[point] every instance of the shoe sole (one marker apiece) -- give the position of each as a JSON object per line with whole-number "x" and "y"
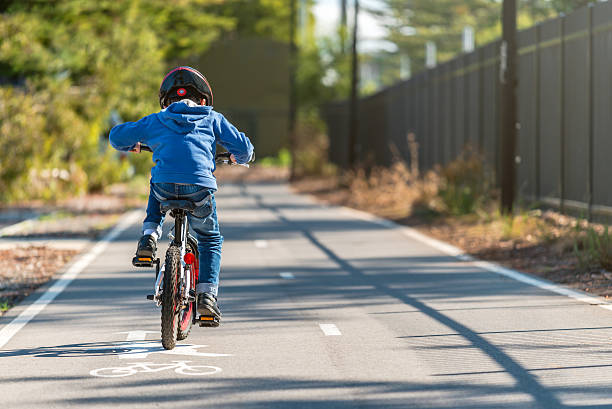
{"x": 208, "y": 312}
{"x": 145, "y": 253}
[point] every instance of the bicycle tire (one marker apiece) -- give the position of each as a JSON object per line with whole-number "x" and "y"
{"x": 186, "y": 316}
{"x": 169, "y": 315}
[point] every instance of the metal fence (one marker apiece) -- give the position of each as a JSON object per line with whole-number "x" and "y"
{"x": 565, "y": 112}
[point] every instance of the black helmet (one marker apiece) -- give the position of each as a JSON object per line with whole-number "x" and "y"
{"x": 184, "y": 82}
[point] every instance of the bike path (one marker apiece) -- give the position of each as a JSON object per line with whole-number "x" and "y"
{"x": 321, "y": 310}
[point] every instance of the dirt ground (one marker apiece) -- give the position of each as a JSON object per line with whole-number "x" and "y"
{"x": 25, "y": 265}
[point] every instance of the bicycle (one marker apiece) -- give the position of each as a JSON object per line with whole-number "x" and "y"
{"x": 180, "y": 367}
{"x": 179, "y": 272}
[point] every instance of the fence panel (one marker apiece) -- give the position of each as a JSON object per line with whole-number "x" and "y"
{"x": 565, "y": 105}
{"x": 459, "y": 106}
{"x": 601, "y": 103}
{"x": 473, "y": 100}
{"x": 550, "y": 109}
{"x": 491, "y": 102}
{"x": 576, "y": 100}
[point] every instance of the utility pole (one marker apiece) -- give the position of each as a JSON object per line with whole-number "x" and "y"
{"x": 292, "y": 86}
{"x": 508, "y": 112}
{"x": 353, "y": 119}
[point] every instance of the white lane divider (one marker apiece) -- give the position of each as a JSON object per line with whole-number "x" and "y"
{"x": 287, "y": 276}
{"x": 330, "y": 330}
{"x": 261, "y": 244}
{"x": 10, "y": 329}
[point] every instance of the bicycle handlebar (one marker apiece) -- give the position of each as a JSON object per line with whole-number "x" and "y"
{"x": 221, "y": 158}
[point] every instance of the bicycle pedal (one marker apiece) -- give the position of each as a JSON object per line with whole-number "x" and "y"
{"x": 208, "y": 321}
{"x": 143, "y": 262}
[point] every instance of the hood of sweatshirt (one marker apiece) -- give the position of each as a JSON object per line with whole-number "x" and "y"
{"x": 183, "y": 116}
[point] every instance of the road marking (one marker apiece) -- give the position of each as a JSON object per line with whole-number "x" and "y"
{"x": 287, "y": 276}
{"x": 180, "y": 367}
{"x": 261, "y": 244}
{"x": 137, "y": 335}
{"x": 142, "y": 349}
{"x": 56, "y": 289}
{"x": 330, "y": 329}
{"x": 485, "y": 265}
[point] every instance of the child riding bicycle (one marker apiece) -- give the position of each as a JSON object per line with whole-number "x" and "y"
{"x": 183, "y": 137}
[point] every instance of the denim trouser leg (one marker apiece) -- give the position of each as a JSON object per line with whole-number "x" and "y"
{"x": 206, "y": 227}
{"x": 155, "y": 218}
{"x": 203, "y": 221}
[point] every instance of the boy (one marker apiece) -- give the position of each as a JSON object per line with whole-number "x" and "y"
{"x": 183, "y": 137}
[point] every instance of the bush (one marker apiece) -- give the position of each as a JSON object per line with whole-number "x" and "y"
{"x": 312, "y": 146}
{"x": 465, "y": 184}
{"x": 593, "y": 247}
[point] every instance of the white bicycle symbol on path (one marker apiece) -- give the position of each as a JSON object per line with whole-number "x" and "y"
{"x": 180, "y": 367}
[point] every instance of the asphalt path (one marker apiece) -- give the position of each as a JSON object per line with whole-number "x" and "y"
{"x": 322, "y": 308}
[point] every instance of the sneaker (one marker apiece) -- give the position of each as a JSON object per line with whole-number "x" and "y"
{"x": 147, "y": 246}
{"x": 207, "y": 305}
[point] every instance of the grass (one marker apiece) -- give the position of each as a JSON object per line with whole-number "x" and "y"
{"x": 5, "y": 306}
{"x": 58, "y": 215}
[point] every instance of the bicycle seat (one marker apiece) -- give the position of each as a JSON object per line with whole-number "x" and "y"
{"x": 187, "y": 205}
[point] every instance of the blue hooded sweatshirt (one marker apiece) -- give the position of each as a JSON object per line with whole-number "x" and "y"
{"x": 183, "y": 138}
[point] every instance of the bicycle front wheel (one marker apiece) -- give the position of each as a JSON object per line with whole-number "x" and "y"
{"x": 169, "y": 298}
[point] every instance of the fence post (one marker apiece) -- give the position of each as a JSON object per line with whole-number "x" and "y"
{"x": 467, "y": 109}
{"x": 590, "y": 105}
{"x": 508, "y": 117}
{"x": 481, "y": 71}
{"x": 452, "y": 111}
{"x": 562, "y": 116}
{"x": 538, "y": 187}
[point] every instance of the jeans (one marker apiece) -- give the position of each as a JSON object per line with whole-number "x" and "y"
{"x": 203, "y": 221}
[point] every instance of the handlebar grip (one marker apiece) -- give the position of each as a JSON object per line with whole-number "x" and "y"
{"x": 145, "y": 148}
{"x": 223, "y": 155}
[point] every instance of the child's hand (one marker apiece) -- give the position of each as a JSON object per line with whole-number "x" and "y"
{"x": 136, "y": 148}
{"x": 232, "y": 158}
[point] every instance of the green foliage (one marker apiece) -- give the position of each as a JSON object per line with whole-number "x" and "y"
{"x": 311, "y": 157}
{"x": 75, "y": 61}
{"x": 593, "y": 247}
{"x": 283, "y": 159}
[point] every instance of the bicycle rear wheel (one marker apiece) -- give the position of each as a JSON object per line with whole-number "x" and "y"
{"x": 170, "y": 303}
{"x": 186, "y": 316}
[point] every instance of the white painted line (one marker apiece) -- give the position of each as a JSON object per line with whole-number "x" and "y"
{"x": 142, "y": 349}
{"x": 17, "y": 227}
{"x": 137, "y": 335}
{"x": 10, "y": 329}
{"x": 287, "y": 276}
{"x": 330, "y": 330}
{"x": 261, "y": 244}
{"x": 485, "y": 265}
